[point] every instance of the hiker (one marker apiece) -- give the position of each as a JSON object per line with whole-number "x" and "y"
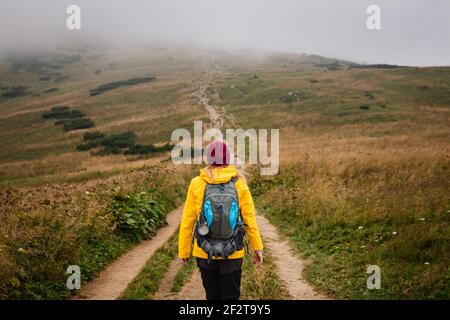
{"x": 217, "y": 214}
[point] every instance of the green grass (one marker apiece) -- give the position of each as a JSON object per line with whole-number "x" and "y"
{"x": 183, "y": 275}
{"x": 405, "y": 233}
{"x": 38, "y": 243}
{"x": 261, "y": 282}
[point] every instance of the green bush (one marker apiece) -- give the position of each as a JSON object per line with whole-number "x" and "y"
{"x": 62, "y": 112}
{"x": 77, "y": 124}
{"x": 89, "y": 136}
{"x": 136, "y": 216}
{"x": 148, "y": 149}
{"x": 117, "y": 84}
{"x": 15, "y": 92}
{"x": 61, "y": 122}
{"x": 87, "y": 146}
{"x": 119, "y": 140}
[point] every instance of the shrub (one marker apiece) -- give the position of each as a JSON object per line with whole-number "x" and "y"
{"x": 364, "y": 107}
{"x": 60, "y": 122}
{"x": 78, "y": 124}
{"x": 117, "y": 84}
{"x": 89, "y": 136}
{"x": 15, "y": 92}
{"x": 87, "y": 146}
{"x": 119, "y": 140}
{"x": 148, "y": 149}
{"x": 136, "y": 216}
{"x": 62, "y": 112}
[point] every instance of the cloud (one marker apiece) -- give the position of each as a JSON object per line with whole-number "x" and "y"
{"x": 414, "y": 32}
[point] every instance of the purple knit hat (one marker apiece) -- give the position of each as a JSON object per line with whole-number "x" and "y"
{"x": 217, "y": 153}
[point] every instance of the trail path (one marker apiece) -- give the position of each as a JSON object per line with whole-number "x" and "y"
{"x": 116, "y": 276}
{"x": 289, "y": 267}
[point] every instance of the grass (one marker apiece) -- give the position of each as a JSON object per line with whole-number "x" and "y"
{"x": 382, "y": 168}
{"x": 364, "y": 216}
{"x": 44, "y": 231}
{"x": 183, "y": 275}
{"x": 261, "y": 282}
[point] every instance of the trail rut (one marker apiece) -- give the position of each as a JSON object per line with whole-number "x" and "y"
{"x": 115, "y": 278}
{"x": 289, "y": 267}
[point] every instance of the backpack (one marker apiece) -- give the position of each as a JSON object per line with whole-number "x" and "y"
{"x": 220, "y": 230}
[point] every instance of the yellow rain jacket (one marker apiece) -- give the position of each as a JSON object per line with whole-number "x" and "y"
{"x": 192, "y": 209}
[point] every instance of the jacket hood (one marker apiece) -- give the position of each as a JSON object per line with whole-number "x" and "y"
{"x": 219, "y": 174}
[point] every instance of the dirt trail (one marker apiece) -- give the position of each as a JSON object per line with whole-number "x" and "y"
{"x": 289, "y": 267}
{"x": 115, "y": 277}
{"x": 216, "y": 121}
{"x": 192, "y": 289}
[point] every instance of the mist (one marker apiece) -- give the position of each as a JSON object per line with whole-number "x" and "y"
{"x": 414, "y": 32}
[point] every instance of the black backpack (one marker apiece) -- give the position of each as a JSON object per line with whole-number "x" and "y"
{"x": 220, "y": 230}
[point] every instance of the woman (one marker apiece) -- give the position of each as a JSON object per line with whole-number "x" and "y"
{"x": 209, "y": 221}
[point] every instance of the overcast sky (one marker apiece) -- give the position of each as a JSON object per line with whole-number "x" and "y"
{"x": 414, "y": 32}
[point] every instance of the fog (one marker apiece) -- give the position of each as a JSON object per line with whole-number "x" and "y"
{"x": 413, "y": 32}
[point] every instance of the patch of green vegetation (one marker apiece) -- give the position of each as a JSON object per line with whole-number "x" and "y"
{"x": 405, "y": 232}
{"x": 147, "y": 283}
{"x": 261, "y": 282}
{"x": 41, "y": 260}
{"x": 376, "y": 66}
{"x": 41, "y": 64}
{"x": 43, "y": 243}
{"x": 14, "y": 92}
{"x": 78, "y": 124}
{"x": 119, "y": 140}
{"x": 332, "y": 66}
{"x": 183, "y": 275}
{"x": 69, "y": 119}
{"x": 117, "y": 84}
{"x": 136, "y": 216}
{"x": 95, "y": 135}
{"x": 87, "y": 146}
{"x": 119, "y": 143}
{"x": 62, "y": 112}
{"x": 148, "y": 149}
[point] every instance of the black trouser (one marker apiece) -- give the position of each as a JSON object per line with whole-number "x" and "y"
{"x": 221, "y": 278}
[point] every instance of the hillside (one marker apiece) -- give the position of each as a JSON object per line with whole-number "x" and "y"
{"x": 364, "y": 158}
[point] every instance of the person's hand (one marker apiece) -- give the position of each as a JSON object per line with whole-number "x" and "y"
{"x": 184, "y": 260}
{"x": 257, "y": 257}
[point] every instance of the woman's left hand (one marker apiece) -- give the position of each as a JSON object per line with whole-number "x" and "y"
{"x": 257, "y": 257}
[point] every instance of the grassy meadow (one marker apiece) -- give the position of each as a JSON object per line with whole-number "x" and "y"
{"x": 364, "y": 169}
